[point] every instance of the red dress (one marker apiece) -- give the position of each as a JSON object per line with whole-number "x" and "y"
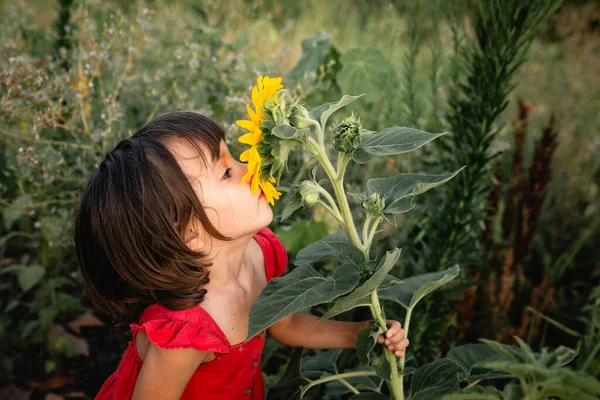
{"x": 235, "y": 373}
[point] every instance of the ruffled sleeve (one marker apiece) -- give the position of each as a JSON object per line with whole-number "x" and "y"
{"x": 180, "y": 329}
{"x": 274, "y": 252}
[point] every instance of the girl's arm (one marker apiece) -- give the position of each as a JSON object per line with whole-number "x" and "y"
{"x": 166, "y": 372}
{"x": 305, "y": 330}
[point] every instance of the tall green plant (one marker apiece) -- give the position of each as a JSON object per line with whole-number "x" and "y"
{"x": 360, "y": 278}
{"x": 486, "y": 63}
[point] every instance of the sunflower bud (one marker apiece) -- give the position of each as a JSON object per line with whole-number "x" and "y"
{"x": 310, "y": 192}
{"x": 281, "y": 111}
{"x": 373, "y": 205}
{"x": 347, "y": 136}
{"x": 299, "y": 117}
{"x": 271, "y": 103}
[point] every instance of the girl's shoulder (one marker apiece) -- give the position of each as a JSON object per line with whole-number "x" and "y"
{"x": 194, "y": 326}
{"x": 273, "y": 252}
{"x": 191, "y": 327}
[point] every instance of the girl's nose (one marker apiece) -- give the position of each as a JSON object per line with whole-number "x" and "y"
{"x": 244, "y": 171}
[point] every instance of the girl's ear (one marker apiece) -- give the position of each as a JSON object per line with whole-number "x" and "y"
{"x": 192, "y": 236}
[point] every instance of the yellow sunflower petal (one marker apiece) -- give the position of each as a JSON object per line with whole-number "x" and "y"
{"x": 255, "y": 181}
{"x": 248, "y": 175}
{"x": 253, "y": 170}
{"x": 256, "y": 101}
{"x": 270, "y": 192}
{"x": 251, "y": 138}
{"x": 246, "y": 124}
{"x": 254, "y": 156}
{"x": 253, "y": 115}
{"x": 245, "y": 156}
{"x": 266, "y": 88}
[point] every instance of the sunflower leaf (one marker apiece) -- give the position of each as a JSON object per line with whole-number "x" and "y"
{"x": 394, "y": 140}
{"x": 288, "y": 132}
{"x": 314, "y": 53}
{"x": 336, "y": 245}
{"x": 433, "y": 380}
{"x": 323, "y": 112}
{"x": 365, "y": 70}
{"x": 410, "y": 291}
{"x": 293, "y": 203}
{"x": 361, "y": 296}
{"x": 400, "y": 190}
{"x": 476, "y": 393}
{"x": 302, "y": 288}
{"x": 366, "y": 341}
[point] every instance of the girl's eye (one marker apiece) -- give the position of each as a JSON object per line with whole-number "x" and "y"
{"x": 227, "y": 174}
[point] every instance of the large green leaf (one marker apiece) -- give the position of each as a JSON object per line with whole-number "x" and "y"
{"x": 508, "y": 352}
{"x": 314, "y": 53}
{"x": 361, "y": 296}
{"x": 302, "y": 288}
{"x": 400, "y": 190}
{"x": 336, "y": 390}
{"x": 365, "y": 343}
{"x": 433, "y": 380}
{"x": 323, "y": 112}
{"x": 289, "y": 385}
{"x": 364, "y": 71}
{"x": 288, "y": 132}
{"x": 394, "y": 140}
{"x": 410, "y": 291}
{"x": 470, "y": 355}
{"x": 476, "y": 393}
{"x": 382, "y": 367}
{"x": 335, "y": 245}
{"x": 301, "y": 233}
{"x": 323, "y": 363}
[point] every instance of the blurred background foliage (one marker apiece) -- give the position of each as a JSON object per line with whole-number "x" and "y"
{"x": 78, "y": 76}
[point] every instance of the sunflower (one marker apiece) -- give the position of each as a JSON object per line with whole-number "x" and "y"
{"x": 266, "y": 90}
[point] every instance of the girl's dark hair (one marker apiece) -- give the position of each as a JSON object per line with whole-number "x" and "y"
{"x": 130, "y": 251}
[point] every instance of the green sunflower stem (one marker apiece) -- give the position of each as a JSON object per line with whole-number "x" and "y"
{"x": 402, "y": 360}
{"x": 396, "y": 382}
{"x": 337, "y": 181}
{"x": 342, "y": 163}
{"x": 365, "y": 231}
{"x": 371, "y": 233}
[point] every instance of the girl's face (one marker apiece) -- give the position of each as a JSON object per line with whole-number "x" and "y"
{"x": 229, "y": 203}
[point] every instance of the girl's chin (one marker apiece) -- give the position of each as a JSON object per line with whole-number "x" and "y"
{"x": 268, "y": 215}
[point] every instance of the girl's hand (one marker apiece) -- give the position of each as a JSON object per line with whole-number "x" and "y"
{"x": 395, "y": 338}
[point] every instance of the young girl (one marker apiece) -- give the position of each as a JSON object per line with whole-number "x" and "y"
{"x": 165, "y": 210}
